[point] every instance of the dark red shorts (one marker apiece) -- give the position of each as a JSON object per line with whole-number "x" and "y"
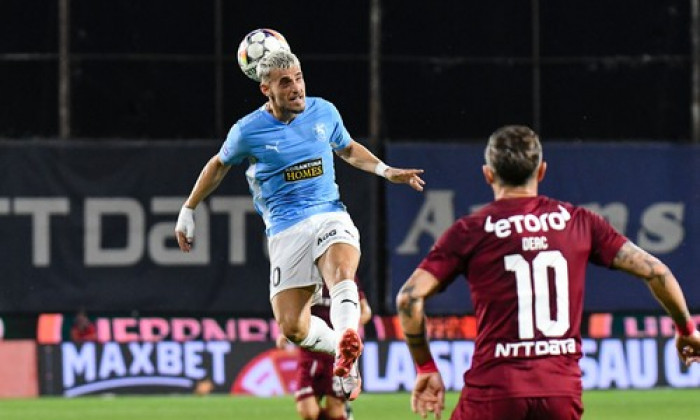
{"x": 315, "y": 376}
{"x": 533, "y": 408}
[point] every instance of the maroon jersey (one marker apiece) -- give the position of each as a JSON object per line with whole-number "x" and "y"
{"x": 525, "y": 262}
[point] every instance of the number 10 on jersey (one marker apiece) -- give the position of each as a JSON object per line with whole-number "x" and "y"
{"x": 532, "y": 283}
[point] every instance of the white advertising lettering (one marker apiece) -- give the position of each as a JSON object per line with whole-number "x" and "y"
{"x": 86, "y": 369}
{"x": 661, "y": 223}
{"x": 674, "y": 372}
{"x": 397, "y": 371}
{"x": 140, "y": 239}
{"x": 618, "y": 363}
{"x": 605, "y": 364}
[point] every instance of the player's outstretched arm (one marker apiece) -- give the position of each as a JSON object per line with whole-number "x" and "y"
{"x": 360, "y": 157}
{"x": 428, "y": 395}
{"x": 665, "y": 288}
{"x": 210, "y": 178}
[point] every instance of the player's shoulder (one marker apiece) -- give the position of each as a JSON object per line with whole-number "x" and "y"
{"x": 567, "y": 210}
{"x": 577, "y": 214}
{"x": 252, "y": 120}
{"x": 472, "y": 221}
{"x": 317, "y": 101}
{"x": 572, "y": 209}
{"x": 480, "y": 214}
{"x": 551, "y": 203}
{"x": 316, "y": 104}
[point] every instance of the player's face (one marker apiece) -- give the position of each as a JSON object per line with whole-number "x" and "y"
{"x": 287, "y": 91}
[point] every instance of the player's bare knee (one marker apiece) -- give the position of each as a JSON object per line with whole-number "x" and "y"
{"x": 307, "y": 411}
{"x": 295, "y": 331}
{"x": 346, "y": 271}
{"x": 338, "y": 273}
{"x": 305, "y": 415}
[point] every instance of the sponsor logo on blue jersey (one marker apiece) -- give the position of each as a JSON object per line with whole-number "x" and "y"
{"x": 308, "y": 169}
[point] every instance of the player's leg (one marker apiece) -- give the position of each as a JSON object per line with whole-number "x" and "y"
{"x": 338, "y": 266}
{"x": 349, "y": 415}
{"x": 335, "y": 408}
{"x": 308, "y": 408}
{"x": 292, "y": 311}
{"x": 293, "y": 280}
{"x": 306, "y": 395}
{"x": 330, "y": 387}
{"x": 337, "y": 254}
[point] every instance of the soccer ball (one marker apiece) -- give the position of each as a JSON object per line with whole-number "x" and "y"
{"x": 255, "y": 46}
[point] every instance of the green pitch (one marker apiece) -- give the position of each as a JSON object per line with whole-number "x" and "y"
{"x": 614, "y": 405}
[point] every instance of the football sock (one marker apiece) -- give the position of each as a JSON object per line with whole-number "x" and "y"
{"x": 345, "y": 306}
{"x": 321, "y": 337}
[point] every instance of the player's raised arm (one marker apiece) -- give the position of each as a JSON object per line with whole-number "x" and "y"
{"x": 210, "y": 178}
{"x": 429, "y": 391}
{"x": 665, "y": 288}
{"x": 360, "y": 157}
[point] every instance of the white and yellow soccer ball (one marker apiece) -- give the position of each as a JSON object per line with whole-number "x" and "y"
{"x": 255, "y": 46}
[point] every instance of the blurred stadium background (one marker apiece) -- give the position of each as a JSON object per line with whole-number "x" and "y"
{"x": 110, "y": 109}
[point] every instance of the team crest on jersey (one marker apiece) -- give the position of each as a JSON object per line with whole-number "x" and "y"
{"x": 304, "y": 170}
{"x": 320, "y": 132}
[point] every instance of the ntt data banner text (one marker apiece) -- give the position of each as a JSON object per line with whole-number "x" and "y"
{"x": 91, "y": 225}
{"x": 649, "y": 192}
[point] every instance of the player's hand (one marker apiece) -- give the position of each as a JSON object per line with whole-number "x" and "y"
{"x": 184, "y": 229}
{"x": 428, "y": 395}
{"x": 689, "y": 347}
{"x": 405, "y": 176}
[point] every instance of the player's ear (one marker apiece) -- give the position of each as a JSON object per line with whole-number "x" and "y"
{"x": 488, "y": 174}
{"x": 265, "y": 89}
{"x": 541, "y": 171}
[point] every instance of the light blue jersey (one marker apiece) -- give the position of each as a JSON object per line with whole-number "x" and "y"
{"x": 291, "y": 173}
